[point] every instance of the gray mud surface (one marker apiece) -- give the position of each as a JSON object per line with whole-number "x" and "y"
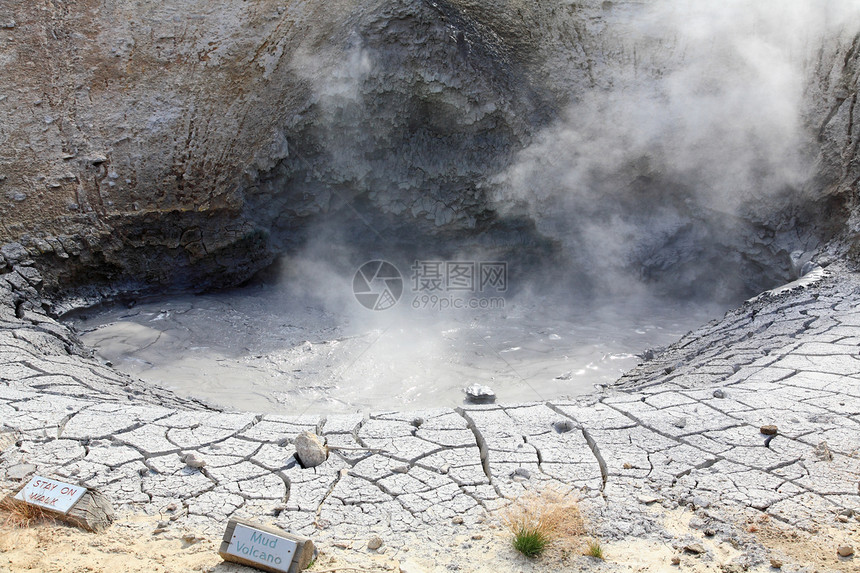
{"x": 262, "y": 350}
{"x": 680, "y": 430}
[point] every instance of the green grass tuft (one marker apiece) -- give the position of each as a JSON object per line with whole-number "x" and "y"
{"x": 530, "y": 541}
{"x": 595, "y": 549}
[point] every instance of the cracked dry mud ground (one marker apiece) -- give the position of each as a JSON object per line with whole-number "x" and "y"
{"x": 681, "y": 430}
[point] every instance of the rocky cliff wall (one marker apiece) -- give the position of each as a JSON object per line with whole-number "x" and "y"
{"x": 185, "y": 143}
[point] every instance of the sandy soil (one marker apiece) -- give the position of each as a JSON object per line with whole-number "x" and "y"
{"x": 130, "y": 545}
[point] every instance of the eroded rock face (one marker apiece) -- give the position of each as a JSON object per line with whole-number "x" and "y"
{"x": 183, "y": 143}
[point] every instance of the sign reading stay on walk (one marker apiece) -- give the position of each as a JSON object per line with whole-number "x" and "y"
{"x": 51, "y": 494}
{"x": 265, "y": 548}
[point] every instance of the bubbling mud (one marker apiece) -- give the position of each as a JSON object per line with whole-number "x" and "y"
{"x": 258, "y": 348}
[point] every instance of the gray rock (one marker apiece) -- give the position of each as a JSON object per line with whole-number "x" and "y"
{"x": 20, "y": 472}
{"x": 14, "y": 252}
{"x": 31, "y": 275}
{"x": 194, "y": 461}
{"x": 480, "y": 394}
{"x": 695, "y": 548}
{"x": 845, "y": 551}
{"x": 375, "y": 543}
{"x": 718, "y": 393}
{"x": 310, "y": 449}
{"x": 521, "y": 474}
{"x": 822, "y": 452}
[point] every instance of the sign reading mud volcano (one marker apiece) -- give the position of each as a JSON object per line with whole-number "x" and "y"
{"x": 51, "y": 494}
{"x": 265, "y": 548}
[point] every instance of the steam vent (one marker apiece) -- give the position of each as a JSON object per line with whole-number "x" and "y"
{"x": 417, "y": 286}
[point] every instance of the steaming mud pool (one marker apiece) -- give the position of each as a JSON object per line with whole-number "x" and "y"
{"x": 261, "y": 349}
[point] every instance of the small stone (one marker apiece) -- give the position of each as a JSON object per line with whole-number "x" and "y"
{"x": 521, "y": 474}
{"x": 842, "y": 518}
{"x": 445, "y": 469}
{"x": 680, "y": 423}
{"x": 310, "y": 450}
{"x": 172, "y": 507}
{"x": 400, "y": 469}
{"x": 375, "y": 543}
{"x": 710, "y": 532}
{"x": 822, "y": 452}
{"x": 845, "y": 551}
{"x": 648, "y": 499}
{"x": 194, "y": 461}
{"x": 700, "y": 502}
{"x": 418, "y": 422}
{"x": 627, "y": 466}
{"x": 479, "y": 394}
{"x": 719, "y": 394}
{"x": 457, "y": 520}
{"x": 769, "y": 430}
{"x": 477, "y": 537}
{"x": 695, "y": 548}
{"x": 676, "y": 560}
{"x": 775, "y": 563}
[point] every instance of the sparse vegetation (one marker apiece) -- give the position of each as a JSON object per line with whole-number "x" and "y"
{"x": 595, "y": 549}
{"x": 539, "y": 521}
{"x": 16, "y": 514}
{"x": 530, "y": 541}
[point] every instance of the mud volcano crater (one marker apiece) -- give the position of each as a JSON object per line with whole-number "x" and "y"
{"x": 166, "y": 153}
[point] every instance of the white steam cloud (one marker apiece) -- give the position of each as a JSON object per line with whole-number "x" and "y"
{"x": 699, "y": 117}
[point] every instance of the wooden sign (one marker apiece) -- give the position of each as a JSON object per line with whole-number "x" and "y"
{"x": 51, "y": 494}
{"x": 265, "y": 548}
